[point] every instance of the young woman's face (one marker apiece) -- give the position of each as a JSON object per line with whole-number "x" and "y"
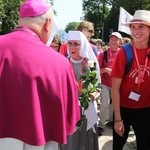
{"x": 55, "y": 46}
{"x": 74, "y": 49}
{"x": 140, "y": 32}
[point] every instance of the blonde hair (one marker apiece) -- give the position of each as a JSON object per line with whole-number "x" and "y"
{"x": 86, "y": 25}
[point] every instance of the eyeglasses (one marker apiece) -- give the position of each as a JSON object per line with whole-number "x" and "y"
{"x": 54, "y": 46}
{"x": 73, "y": 44}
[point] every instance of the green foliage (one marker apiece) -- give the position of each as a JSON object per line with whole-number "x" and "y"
{"x": 132, "y": 6}
{"x": 9, "y": 14}
{"x": 96, "y": 12}
{"x": 89, "y": 86}
{"x": 71, "y": 26}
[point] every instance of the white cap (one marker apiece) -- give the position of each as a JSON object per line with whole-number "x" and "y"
{"x": 140, "y": 16}
{"x": 117, "y": 34}
{"x": 74, "y": 35}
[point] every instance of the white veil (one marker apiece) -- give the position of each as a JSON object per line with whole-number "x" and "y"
{"x": 87, "y": 52}
{"x": 86, "y": 49}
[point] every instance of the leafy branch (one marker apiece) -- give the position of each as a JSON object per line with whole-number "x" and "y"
{"x": 89, "y": 85}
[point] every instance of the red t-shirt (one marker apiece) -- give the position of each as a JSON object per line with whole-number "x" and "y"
{"x": 129, "y": 80}
{"x": 105, "y": 77}
{"x": 63, "y": 49}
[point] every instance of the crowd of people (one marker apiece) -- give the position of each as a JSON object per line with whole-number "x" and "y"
{"x": 50, "y": 94}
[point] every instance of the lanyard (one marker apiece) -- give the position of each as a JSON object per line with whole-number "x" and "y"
{"x": 141, "y": 73}
{"x": 112, "y": 54}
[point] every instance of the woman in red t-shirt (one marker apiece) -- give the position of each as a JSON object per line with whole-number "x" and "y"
{"x": 131, "y": 92}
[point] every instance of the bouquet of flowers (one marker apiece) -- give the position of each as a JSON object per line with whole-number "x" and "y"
{"x": 89, "y": 84}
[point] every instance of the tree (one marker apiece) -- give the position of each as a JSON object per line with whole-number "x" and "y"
{"x": 71, "y": 26}
{"x": 96, "y": 11}
{"x": 132, "y": 6}
{"x": 9, "y": 14}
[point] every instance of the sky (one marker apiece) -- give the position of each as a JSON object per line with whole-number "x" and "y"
{"x": 67, "y": 11}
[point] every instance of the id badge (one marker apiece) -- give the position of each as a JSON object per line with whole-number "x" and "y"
{"x": 134, "y": 96}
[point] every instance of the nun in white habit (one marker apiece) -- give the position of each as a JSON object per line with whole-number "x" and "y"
{"x": 81, "y": 52}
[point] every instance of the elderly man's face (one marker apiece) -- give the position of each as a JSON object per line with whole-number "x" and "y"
{"x": 114, "y": 42}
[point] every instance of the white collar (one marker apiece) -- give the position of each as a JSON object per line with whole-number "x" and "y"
{"x": 76, "y": 61}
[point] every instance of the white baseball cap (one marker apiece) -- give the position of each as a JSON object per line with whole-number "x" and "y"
{"x": 117, "y": 34}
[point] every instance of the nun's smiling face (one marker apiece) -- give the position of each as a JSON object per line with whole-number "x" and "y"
{"x": 74, "y": 48}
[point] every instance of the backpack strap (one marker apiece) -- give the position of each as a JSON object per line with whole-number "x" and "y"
{"x": 94, "y": 49}
{"x": 106, "y": 56}
{"x": 129, "y": 57}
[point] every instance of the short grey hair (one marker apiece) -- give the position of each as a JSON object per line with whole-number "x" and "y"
{"x": 37, "y": 20}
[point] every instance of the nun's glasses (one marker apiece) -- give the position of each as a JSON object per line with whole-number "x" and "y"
{"x": 75, "y": 44}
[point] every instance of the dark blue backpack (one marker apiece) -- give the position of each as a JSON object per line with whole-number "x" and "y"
{"x": 129, "y": 57}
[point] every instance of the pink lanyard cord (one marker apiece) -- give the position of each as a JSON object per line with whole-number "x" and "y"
{"x": 141, "y": 73}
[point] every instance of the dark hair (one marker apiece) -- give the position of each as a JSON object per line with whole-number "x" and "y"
{"x": 57, "y": 40}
